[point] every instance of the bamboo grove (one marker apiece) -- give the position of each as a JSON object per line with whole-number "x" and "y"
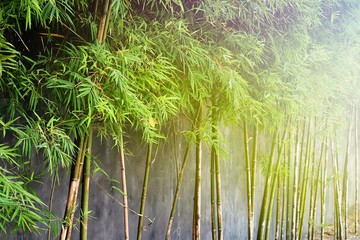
{"x": 284, "y": 73}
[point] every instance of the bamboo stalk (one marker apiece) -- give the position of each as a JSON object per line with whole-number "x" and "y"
{"x": 218, "y": 197}
{"x": 254, "y": 163}
{"x": 300, "y": 181}
{"x": 51, "y": 203}
{"x": 317, "y": 183}
{"x": 144, "y": 191}
{"x": 305, "y": 181}
{"x": 85, "y": 188}
{"x": 266, "y": 194}
{"x": 248, "y": 182}
{"x": 197, "y": 190}
{"x": 273, "y": 185}
{"x": 124, "y": 189}
{"x": 356, "y": 173}
{"x": 345, "y": 179}
{"x": 177, "y": 191}
{"x": 73, "y": 191}
{"x": 284, "y": 198}
{"x": 337, "y": 199}
{"x": 212, "y": 194}
{"x": 323, "y": 190}
{"x": 102, "y": 23}
{"x": 289, "y": 189}
{"x": 295, "y": 188}
{"x": 180, "y": 175}
{"x": 312, "y": 183}
{"x": 278, "y": 211}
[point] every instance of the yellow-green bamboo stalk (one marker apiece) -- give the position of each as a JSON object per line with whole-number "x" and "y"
{"x": 289, "y": 188}
{"x": 266, "y": 194}
{"x": 51, "y": 203}
{"x": 337, "y": 196}
{"x": 278, "y": 211}
{"x": 144, "y": 191}
{"x": 177, "y": 191}
{"x": 248, "y": 182}
{"x": 197, "y": 190}
{"x": 323, "y": 189}
{"x": 73, "y": 191}
{"x": 295, "y": 187}
{"x": 254, "y": 166}
{"x": 313, "y": 181}
{"x": 212, "y": 193}
{"x": 345, "y": 179}
{"x": 305, "y": 181}
{"x": 85, "y": 190}
{"x": 300, "y": 180}
{"x": 218, "y": 197}
{"x": 273, "y": 186}
{"x": 318, "y": 182}
{"x": 124, "y": 189}
{"x": 356, "y": 173}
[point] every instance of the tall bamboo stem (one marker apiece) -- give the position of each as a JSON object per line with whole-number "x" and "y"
{"x": 73, "y": 191}
{"x": 51, "y": 203}
{"x": 266, "y": 194}
{"x": 248, "y": 182}
{"x": 356, "y": 172}
{"x": 197, "y": 190}
{"x": 254, "y": 165}
{"x": 337, "y": 199}
{"x": 85, "y": 190}
{"x": 289, "y": 188}
{"x": 274, "y": 185}
{"x": 218, "y": 197}
{"x": 144, "y": 191}
{"x": 304, "y": 185}
{"x": 177, "y": 191}
{"x": 318, "y": 180}
{"x": 300, "y": 181}
{"x": 212, "y": 193}
{"x": 124, "y": 189}
{"x": 345, "y": 179}
{"x": 295, "y": 188}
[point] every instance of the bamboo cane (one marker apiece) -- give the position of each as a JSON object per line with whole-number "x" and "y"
{"x": 300, "y": 182}
{"x": 178, "y": 184}
{"x": 197, "y": 190}
{"x": 278, "y": 211}
{"x": 218, "y": 197}
{"x": 124, "y": 189}
{"x": 144, "y": 191}
{"x": 212, "y": 193}
{"x": 274, "y": 184}
{"x": 85, "y": 188}
{"x": 51, "y": 204}
{"x": 289, "y": 190}
{"x": 356, "y": 173}
{"x": 337, "y": 199}
{"x": 313, "y": 181}
{"x": 177, "y": 191}
{"x": 345, "y": 179}
{"x": 317, "y": 183}
{"x": 295, "y": 188}
{"x": 266, "y": 194}
{"x": 73, "y": 191}
{"x": 253, "y": 172}
{"x": 248, "y": 182}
